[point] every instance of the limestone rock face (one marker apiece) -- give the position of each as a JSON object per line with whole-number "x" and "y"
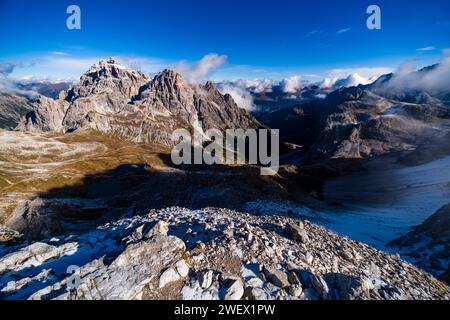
{"x": 235, "y": 290}
{"x": 357, "y": 123}
{"x": 132, "y": 271}
{"x": 110, "y": 80}
{"x": 116, "y": 100}
{"x": 277, "y": 277}
{"x": 103, "y": 91}
{"x": 366, "y": 121}
{"x": 47, "y": 115}
{"x": 35, "y": 254}
{"x": 202, "y": 262}
{"x": 8, "y": 235}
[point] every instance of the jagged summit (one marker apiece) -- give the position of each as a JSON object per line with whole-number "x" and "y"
{"x": 209, "y": 85}
{"x": 108, "y": 76}
{"x": 103, "y": 64}
{"x": 169, "y": 74}
{"x": 110, "y": 65}
{"x": 110, "y": 68}
{"x": 113, "y": 99}
{"x": 168, "y": 81}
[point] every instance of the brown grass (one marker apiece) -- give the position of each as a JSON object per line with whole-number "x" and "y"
{"x": 38, "y": 170}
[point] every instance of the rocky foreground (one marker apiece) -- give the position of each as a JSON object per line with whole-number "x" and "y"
{"x": 178, "y": 253}
{"x": 428, "y": 245}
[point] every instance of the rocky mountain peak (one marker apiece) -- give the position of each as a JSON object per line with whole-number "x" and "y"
{"x": 209, "y": 85}
{"x": 168, "y": 79}
{"x": 107, "y": 66}
{"x": 108, "y": 76}
{"x": 111, "y": 60}
{"x": 113, "y": 99}
{"x": 169, "y": 74}
{"x": 344, "y": 94}
{"x": 211, "y": 88}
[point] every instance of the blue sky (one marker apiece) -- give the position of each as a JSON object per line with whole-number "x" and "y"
{"x": 261, "y": 39}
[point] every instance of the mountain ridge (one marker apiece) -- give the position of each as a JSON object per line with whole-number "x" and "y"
{"x": 113, "y": 99}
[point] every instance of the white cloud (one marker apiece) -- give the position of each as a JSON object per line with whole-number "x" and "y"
{"x": 371, "y": 73}
{"x": 404, "y": 77}
{"x": 56, "y": 68}
{"x": 349, "y": 77}
{"x": 58, "y": 53}
{"x": 255, "y": 85}
{"x": 424, "y": 49}
{"x": 344, "y": 30}
{"x": 201, "y": 70}
{"x": 435, "y": 80}
{"x": 352, "y": 80}
{"x": 327, "y": 83}
{"x": 6, "y": 68}
{"x": 314, "y": 33}
{"x": 241, "y": 95}
{"x": 34, "y": 79}
{"x": 144, "y": 64}
{"x": 63, "y": 67}
{"x": 7, "y": 85}
{"x": 292, "y": 84}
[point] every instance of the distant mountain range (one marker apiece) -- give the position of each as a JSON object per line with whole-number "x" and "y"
{"x": 365, "y": 120}
{"x": 45, "y": 88}
{"x": 12, "y": 108}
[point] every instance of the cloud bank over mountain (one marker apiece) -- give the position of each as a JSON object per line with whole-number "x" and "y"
{"x": 242, "y": 90}
{"x": 5, "y": 83}
{"x": 240, "y": 94}
{"x": 405, "y": 78}
{"x": 292, "y": 84}
{"x": 201, "y": 70}
{"x": 9, "y": 86}
{"x": 436, "y": 79}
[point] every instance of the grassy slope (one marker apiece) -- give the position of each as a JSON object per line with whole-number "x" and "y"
{"x": 31, "y": 164}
